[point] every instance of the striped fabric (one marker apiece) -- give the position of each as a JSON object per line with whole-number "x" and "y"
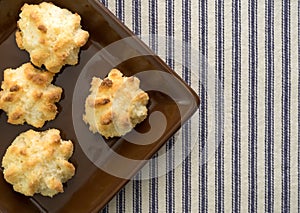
{"x": 240, "y": 152}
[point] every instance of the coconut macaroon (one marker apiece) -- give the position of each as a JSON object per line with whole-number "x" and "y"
{"x": 27, "y": 95}
{"x": 115, "y": 105}
{"x": 37, "y": 162}
{"x": 52, "y": 36}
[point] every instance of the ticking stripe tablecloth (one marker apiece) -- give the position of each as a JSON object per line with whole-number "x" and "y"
{"x": 240, "y": 151}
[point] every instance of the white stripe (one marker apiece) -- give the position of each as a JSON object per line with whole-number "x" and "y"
{"x": 161, "y": 194}
{"x": 244, "y": 106}
{"x": 145, "y": 193}
{"x": 294, "y": 106}
{"x": 228, "y": 106}
{"x": 128, "y": 14}
{"x": 211, "y": 34}
{"x": 145, "y": 16}
{"x": 195, "y": 119}
{"x": 111, "y": 5}
{"x": 129, "y": 197}
{"x": 161, "y": 52}
{"x": 161, "y": 10}
{"x": 261, "y": 70}
{"x": 178, "y": 7}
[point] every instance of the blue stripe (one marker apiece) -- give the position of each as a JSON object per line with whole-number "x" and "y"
{"x": 105, "y": 209}
{"x": 252, "y": 138}
{"x": 170, "y": 32}
{"x": 170, "y": 192}
{"x": 136, "y": 19}
{"x": 186, "y": 137}
{"x": 236, "y": 92}
{"x": 203, "y": 106}
{"x": 120, "y": 207}
{"x": 269, "y": 131}
{"x": 153, "y": 25}
{"x": 153, "y": 183}
{"x": 219, "y": 108}
{"x": 105, "y": 3}
{"x": 137, "y": 193}
{"x": 186, "y": 35}
{"x": 286, "y": 69}
{"x": 137, "y": 186}
{"x": 120, "y": 10}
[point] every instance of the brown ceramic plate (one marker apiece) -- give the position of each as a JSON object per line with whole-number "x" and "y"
{"x": 101, "y": 170}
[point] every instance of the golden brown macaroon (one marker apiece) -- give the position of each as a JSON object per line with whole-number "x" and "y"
{"x": 37, "y": 162}
{"x": 28, "y": 96}
{"x": 115, "y": 105}
{"x": 51, "y": 35}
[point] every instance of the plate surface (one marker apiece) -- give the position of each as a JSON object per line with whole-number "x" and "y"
{"x": 101, "y": 170}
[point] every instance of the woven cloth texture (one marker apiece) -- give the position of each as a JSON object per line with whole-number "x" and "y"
{"x": 240, "y": 152}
